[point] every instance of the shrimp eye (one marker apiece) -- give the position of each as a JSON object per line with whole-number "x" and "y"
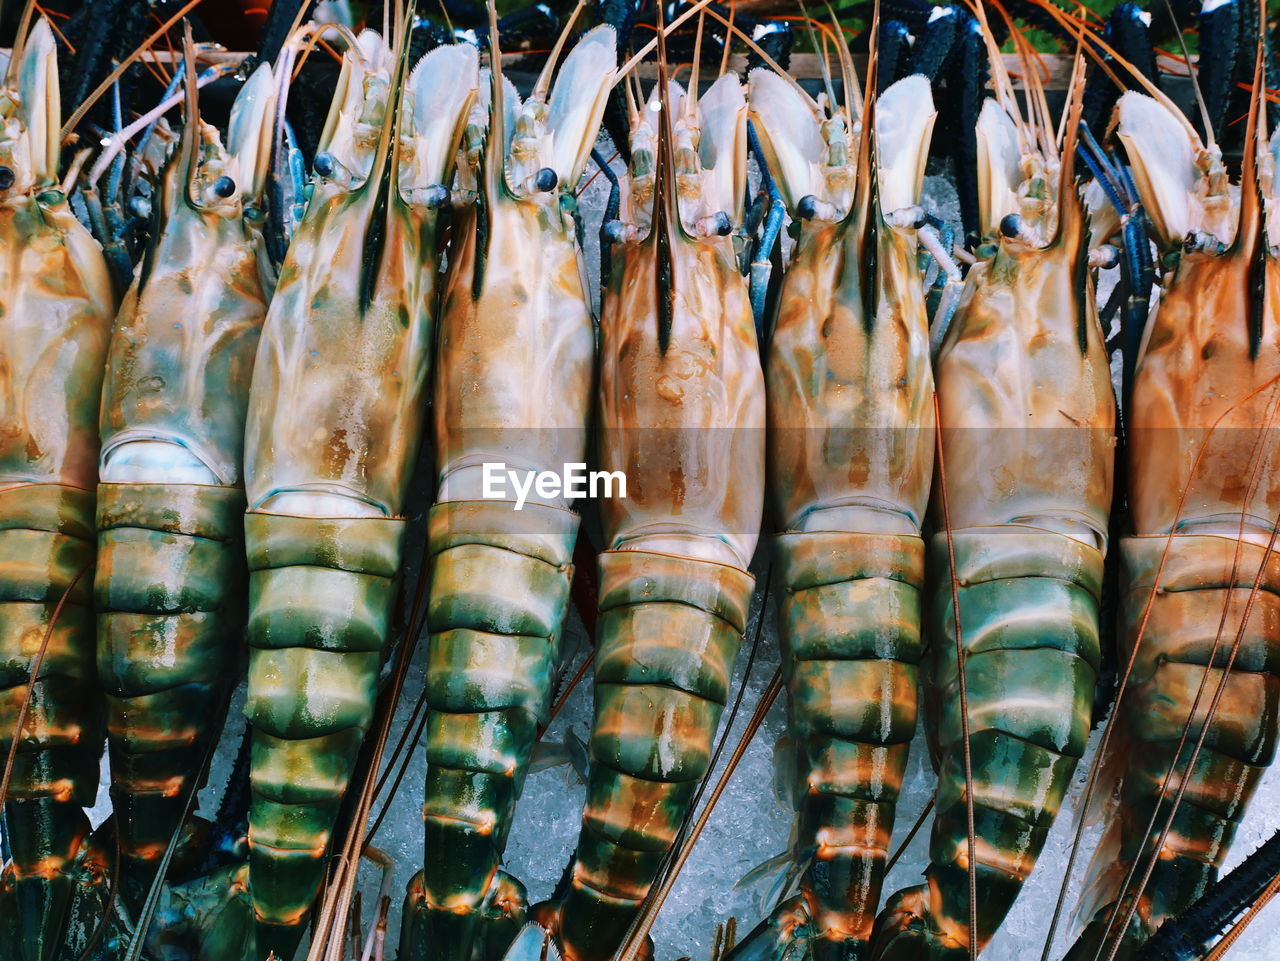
{"x": 224, "y": 187}
{"x": 1011, "y": 226}
{"x": 722, "y": 225}
{"x": 6, "y": 178}
{"x": 325, "y": 164}
{"x": 545, "y": 179}
{"x": 807, "y": 206}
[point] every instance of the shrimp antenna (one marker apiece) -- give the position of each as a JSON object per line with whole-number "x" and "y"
{"x": 541, "y": 88}
{"x": 444, "y": 12}
{"x": 403, "y": 42}
{"x": 124, "y": 65}
{"x": 1069, "y": 210}
{"x": 848, "y": 75}
{"x": 649, "y": 47}
{"x": 1037, "y": 106}
{"x": 872, "y": 81}
{"x": 631, "y": 87}
{"x": 1095, "y": 44}
{"x": 1193, "y": 73}
{"x": 20, "y": 42}
{"x": 191, "y": 110}
{"x": 1250, "y": 237}
{"x": 495, "y": 149}
{"x": 822, "y": 56}
{"x": 691, "y": 99}
{"x": 388, "y": 143}
{"x": 1000, "y": 80}
{"x": 760, "y": 52}
{"x": 728, "y": 39}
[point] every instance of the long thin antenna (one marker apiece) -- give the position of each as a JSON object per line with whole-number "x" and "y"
{"x": 728, "y": 39}
{"x": 124, "y": 65}
{"x": 666, "y": 215}
{"x": 652, "y": 45}
{"x": 691, "y": 99}
{"x": 1000, "y": 80}
{"x": 1193, "y": 74}
{"x": 19, "y": 43}
{"x": 848, "y": 74}
{"x": 494, "y": 159}
{"x": 1098, "y": 50}
{"x": 191, "y": 102}
{"x": 962, "y": 657}
{"x": 872, "y": 81}
{"x": 759, "y": 51}
{"x": 1037, "y": 105}
{"x": 1109, "y": 728}
{"x": 541, "y": 88}
{"x": 664, "y": 889}
{"x": 822, "y": 56}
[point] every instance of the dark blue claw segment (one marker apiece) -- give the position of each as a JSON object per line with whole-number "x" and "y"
{"x": 612, "y": 229}
{"x": 1096, "y": 160}
{"x": 1127, "y": 32}
{"x": 1221, "y": 32}
{"x": 1137, "y": 269}
{"x": 935, "y": 43}
{"x": 894, "y": 53}
{"x": 1185, "y": 937}
{"x": 762, "y": 252}
{"x": 950, "y": 52}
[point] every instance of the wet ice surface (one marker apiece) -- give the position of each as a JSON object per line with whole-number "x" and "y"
{"x": 748, "y": 825}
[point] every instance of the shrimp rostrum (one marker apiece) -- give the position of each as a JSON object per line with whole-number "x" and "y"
{"x": 681, "y": 416}
{"x": 1195, "y": 723}
{"x": 514, "y": 375}
{"x": 1021, "y": 500}
{"x": 850, "y": 414}
{"x": 336, "y": 411}
{"x": 57, "y": 302}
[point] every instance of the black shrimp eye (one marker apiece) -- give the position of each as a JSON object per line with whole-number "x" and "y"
{"x": 325, "y": 164}
{"x": 723, "y": 225}
{"x": 1011, "y": 226}
{"x": 545, "y": 179}
{"x": 6, "y": 178}
{"x": 224, "y": 187}
{"x": 807, "y": 207}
